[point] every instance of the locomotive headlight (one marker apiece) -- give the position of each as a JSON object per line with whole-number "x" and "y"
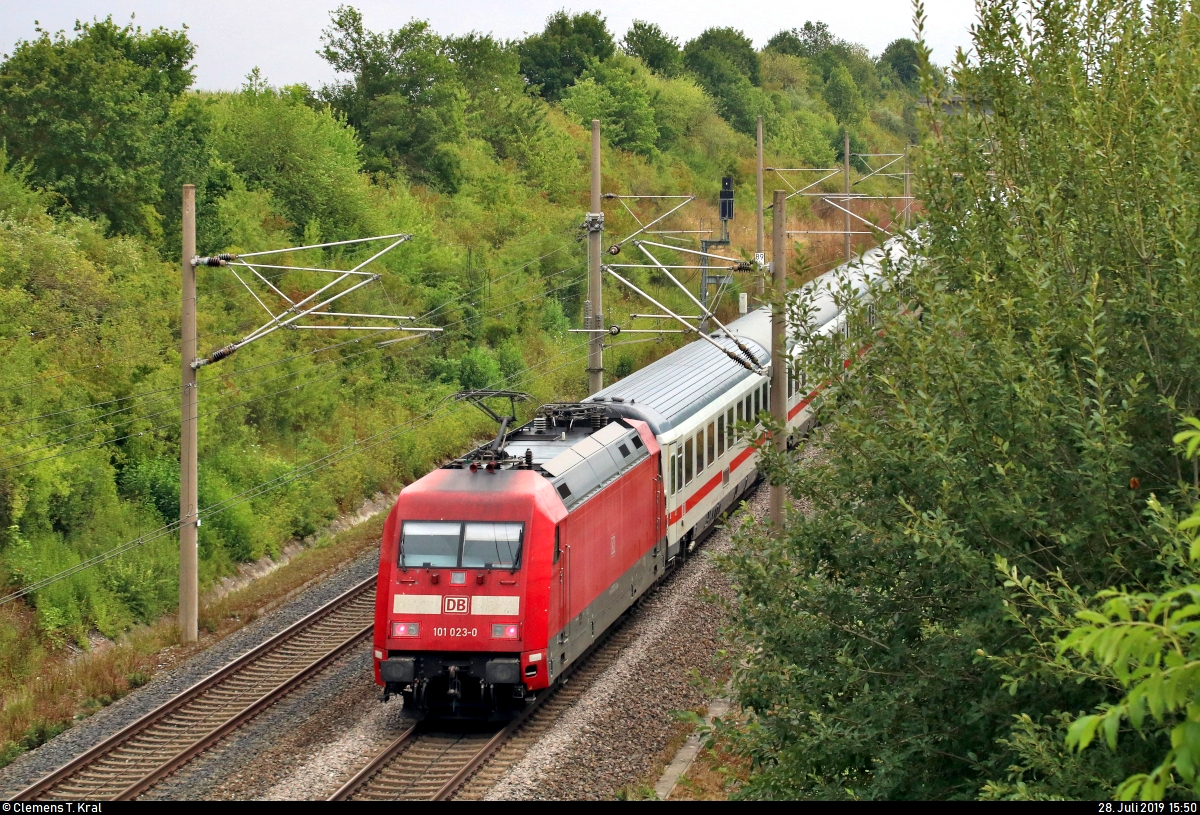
{"x": 406, "y": 629}
{"x": 500, "y": 631}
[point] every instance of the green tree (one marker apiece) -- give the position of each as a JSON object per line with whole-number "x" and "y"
{"x": 649, "y": 43}
{"x": 614, "y": 93}
{"x": 478, "y": 368}
{"x": 843, "y": 98}
{"x": 903, "y": 57}
{"x": 725, "y": 64}
{"x": 404, "y": 96}
{"x": 188, "y": 157}
{"x": 810, "y": 41}
{"x": 555, "y": 58}
{"x": 736, "y": 48}
{"x": 83, "y": 114}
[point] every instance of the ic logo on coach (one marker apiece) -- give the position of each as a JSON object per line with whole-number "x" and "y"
{"x": 454, "y": 605}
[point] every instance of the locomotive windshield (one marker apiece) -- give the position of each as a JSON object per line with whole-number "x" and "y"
{"x": 456, "y": 544}
{"x": 426, "y": 543}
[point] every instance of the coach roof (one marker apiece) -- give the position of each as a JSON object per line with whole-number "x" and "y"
{"x": 666, "y": 393}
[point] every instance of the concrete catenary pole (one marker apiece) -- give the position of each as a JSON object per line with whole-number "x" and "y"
{"x": 907, "y": 190}
{"x": 761, "y": 245}
{"x": 779, "y": 341}
{"x": 846, "y": 202}
{"x": 595, "y": 226}
{"x": 188, "y": 518}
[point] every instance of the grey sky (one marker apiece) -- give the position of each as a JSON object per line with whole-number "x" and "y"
{"x": 281, "y": 38}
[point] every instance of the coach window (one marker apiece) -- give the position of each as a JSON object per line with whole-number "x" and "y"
{"x": 712, "y": 443}
{"x": 757, "y": 404}
{"x": 721, "y": 435}
{"x": 700, "y": 452}
{"x": 729, "y": 426}
{"x": 766, "y": 396}
{"x": 687, "y": 462}
{"x": 740, "y": 413}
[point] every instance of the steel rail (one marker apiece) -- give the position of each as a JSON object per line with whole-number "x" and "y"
{"x": 376, "y": 770}
{"x": 373, "y": 766}
{"x": 488, "y": 750}
{"x": 162, "y": 765}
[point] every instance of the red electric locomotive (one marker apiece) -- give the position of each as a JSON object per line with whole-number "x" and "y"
{"x": 491, "y": 580}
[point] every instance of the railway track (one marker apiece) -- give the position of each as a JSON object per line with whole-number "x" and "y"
{"x": 437, "y": 765}
{"x": 136, "y": 758}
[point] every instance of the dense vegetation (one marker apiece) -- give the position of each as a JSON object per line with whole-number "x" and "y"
{"x": 992, "y": 544}
{"x": 475, "y": 146}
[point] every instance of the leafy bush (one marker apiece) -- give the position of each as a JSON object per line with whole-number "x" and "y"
{"x": 84, "y": 115}
{"x": 1016, "y": 403}
{"x": 617, "y": 95}
{"x": 306, "y": 159}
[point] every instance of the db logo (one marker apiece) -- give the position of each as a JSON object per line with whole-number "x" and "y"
{"x": 454, "y": 605}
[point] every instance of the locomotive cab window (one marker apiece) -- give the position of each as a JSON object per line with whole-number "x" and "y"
{"x": 457, "y": 544}
{"x": 430, "y": 544}
{"x": 492, "y": 545}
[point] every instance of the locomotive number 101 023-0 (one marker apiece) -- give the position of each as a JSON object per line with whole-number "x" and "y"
{"x": 456, "y": 632}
